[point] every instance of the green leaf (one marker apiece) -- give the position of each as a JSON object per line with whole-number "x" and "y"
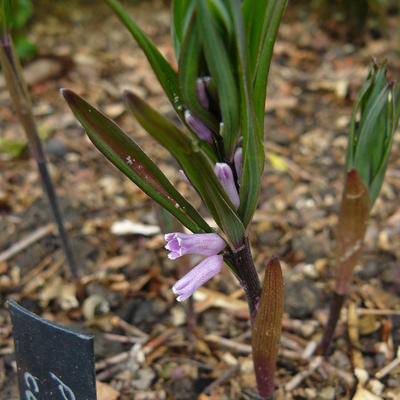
{"x": 164, "y": 72}
{"x": 181, "y": 13}
{"x": 219, "y": 65}
{"x": 253, "y": 149}
{"x": 189, "y": 72}
{"x": 129, "y": 158}
{"x": 194, "y": 163}
{"x": 391, "y": 121}
{"x": 264, "y": 55}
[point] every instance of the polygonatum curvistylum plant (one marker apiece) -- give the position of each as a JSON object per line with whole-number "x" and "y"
{"x": 223, "y": 50}
{"x": 374, "y": 121}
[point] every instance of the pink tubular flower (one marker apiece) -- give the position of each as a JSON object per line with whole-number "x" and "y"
{"x": 225, "y": 176}
{"x": 197, "y": 277}
{"x": 237, "y": 158}
{"x": 198, "y": 127}
{"x": 202, "y": 244}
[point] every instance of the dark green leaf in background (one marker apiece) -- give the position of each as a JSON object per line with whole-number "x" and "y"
{"x": 163, "y": 70}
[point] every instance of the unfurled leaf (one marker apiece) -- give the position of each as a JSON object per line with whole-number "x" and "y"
{"x": 264, "y": 25}
{"x": 220, "y": 67}
{"x": 163, "y": 70}
{"x": 129, "y": 158}
{"x": 194, "y": 163}
{"x": 267, "y": 328}
{"x": 352, "y": 224}
{"x": 253, "y": 149}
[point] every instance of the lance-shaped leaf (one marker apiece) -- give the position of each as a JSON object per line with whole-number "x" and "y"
{"x": 181, "y": 13}
{"x": 188, "y": 74}
{"x": 261, "y": 57}
{"x": 195, "y": 164}
{"x": 219, "y": 64}
{"x": 371, "y": 133}
{"x": 352, "y": 224}
{"x": 129, "y": 158}
{"x": 267, "y": 328}
{"x": 163, "y": 70}
{"x": 253, "y": 149}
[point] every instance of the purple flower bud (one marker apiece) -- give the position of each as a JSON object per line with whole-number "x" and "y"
{"x": 203, "y": 244}
{"x": 225, "y": 176}
{"x": 198, "y": 127}
{"x": 201, "y": 92}
{"x": 237, "y": 158}
{"x": 197, "y": 277}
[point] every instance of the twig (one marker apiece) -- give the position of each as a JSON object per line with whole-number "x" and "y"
{"x": 230, "y": 344}
{"x": 297, "y": 379}
{"x": 390, "y": 367}
{"x": 123, "y": 339}
{"x": 373, "y": 311}
{"x": 220, "y": 380}
{"x": 112, "y": 360}
{"x": 27, "y": 241}
{"x": 117, "y": 321}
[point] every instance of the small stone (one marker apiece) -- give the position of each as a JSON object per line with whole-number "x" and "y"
{"x": 327, "y": 393}
{"x": 310, "y": 393}
{"x": 376, "y": 386}
{"x": 144, "y": 379}
{"x": 302, "y": 298}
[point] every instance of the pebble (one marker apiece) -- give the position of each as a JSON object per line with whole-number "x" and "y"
{"x": 327, "y": 393}
{"x": 301, "y": 298}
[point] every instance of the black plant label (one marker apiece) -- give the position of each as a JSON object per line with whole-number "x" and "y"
{"x": 53, "y": 362}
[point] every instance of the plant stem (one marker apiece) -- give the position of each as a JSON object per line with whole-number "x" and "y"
{"x": 248, "y": 277}
{"x": 334, "y": 313}
{"x": 20, "y": 98}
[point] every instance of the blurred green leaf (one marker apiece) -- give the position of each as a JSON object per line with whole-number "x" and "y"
{"x": 129, "y": 158}
{"x": 194, "y": 163}
{"x": 164, "y": 72}
{"x": 24, "y": 47}
{"x": 220, "y": 68}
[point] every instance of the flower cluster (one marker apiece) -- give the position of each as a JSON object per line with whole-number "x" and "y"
{"x": 203, "y": 244}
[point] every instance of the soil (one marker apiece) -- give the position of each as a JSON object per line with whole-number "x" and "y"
{"x": 126, "y": 279}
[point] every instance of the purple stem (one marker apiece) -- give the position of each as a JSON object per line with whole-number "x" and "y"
{"x": 248, "y": 278}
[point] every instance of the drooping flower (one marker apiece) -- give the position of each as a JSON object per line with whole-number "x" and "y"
{"x": 225, "y": 176}
{"x": 202, "y": 244}
{"x": 198, "y": 127}
{"x": 197, "y": 277}
{"x": 237, "y": 158}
